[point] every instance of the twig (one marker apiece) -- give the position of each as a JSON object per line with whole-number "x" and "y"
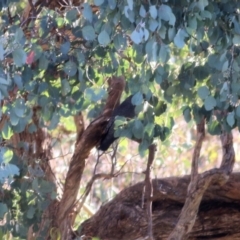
{"x": 148, "y": 189}
{"x": 197, "y": 149}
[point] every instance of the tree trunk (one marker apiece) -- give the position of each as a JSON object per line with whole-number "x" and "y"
{"x": 124, "y": 218}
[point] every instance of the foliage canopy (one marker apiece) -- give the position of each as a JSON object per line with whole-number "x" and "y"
{"x": 182, "y": 55}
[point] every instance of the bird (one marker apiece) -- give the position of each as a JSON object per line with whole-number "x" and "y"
{"x": 125, "y": 109}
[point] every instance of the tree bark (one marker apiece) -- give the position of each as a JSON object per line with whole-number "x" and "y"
{"x": 86, "y": 141}
{"x": 124, "y": 218}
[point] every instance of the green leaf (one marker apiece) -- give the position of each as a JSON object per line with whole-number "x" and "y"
{"x": 88, "y": 33}
{"x": 35, "y": 184}
{"x": 120, "y": 42}
{"x": 119, "y": 121}
{"x": 18, "y": 81}
{"x": 3, "y": 210}
{"x": 142, "y": 11}
{"x": 112, "y": 4}
{"x": 7, "y": 173}
{"x": 30, "y": 212}
{"x": 20, "y": 108}
{"x": 238, "y": 111}
{"x": 98, "y": 2}
{"x": 20, "y": 126}
{"x": 72, "y": 15}
{"x": 87, "y": 12}
{"x": 209, "y": 103}
{"x": 65, "y": 47}
{"x": 137, "y": 99}
{"x": 225, "y": 66}
{"x": 171, "y": 33}
{"x": 7, "y": 131}
{"x": 149, "y": 129}
{"x": 43, "y": 63}
{"x": 153, "y": 24}
{"x": 70, "y": 68}
{"x": 137, "y": 36}
{"x": 66, "y": 88}
{"x": 103, "y": 38}
{"x": 7, "y": 155}
{"x": 179, "y": 38}
{"x": 214, "y": 128}
{"x": 187, "y": 114}
{"x": 130, "y": 4}
{"x": 2, "y": 51}
{"x": 163, "y": 53}
{"x": 202, "y": 4}
{"x": 203, "y": 92}
{"x": 201, "y": 72}
{"x": 19, "y": 57}
{"x": 94, "y": 94}
{"x": 60, "y": 21}
{"x": 236, "y": 40}
{"x": 81, "y": 58}
{"x": 54, "y": 121}
{"x": 231, "y": 119}
{"x": 137, "y": 129}
{"x": 153, "y": 11}
{"x": 142, "y": 148}
{"x": 165, "y": 13}
{"x": 4, "y": 81}
{"x": 14, "y": 119}
{"x": 19, "y": 35}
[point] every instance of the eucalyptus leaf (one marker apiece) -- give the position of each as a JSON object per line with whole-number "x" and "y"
{"x": 19, "y": 57}
{"x": 88, "y": 33}
{"x": 98, "y": 2}
{"x": 180, "y": 37}
{"x": 142, "y": 11}
{"x": 65, "y": 88}
{"x": 137, "y": 36}
{"x": 137, "y": 99}
{"x": 231, "y": 119}
{"x": 153, "y": 11}
{"x": 137, "y": 129}
{"x": 70, "y": 68}
{"x": 2, "y": 51}
{"x": 187, "y": 114}
{"x": 203, "y": 92}
{"x": 103, "y": 38}
{"x": 209, "y": 103}
{"x": 87, "y": 12}
{"x": 94, "y": 94}
{"x": 3, "y": 208}
{"x": 166, "y": 14}
{"x": 112, "y": 4}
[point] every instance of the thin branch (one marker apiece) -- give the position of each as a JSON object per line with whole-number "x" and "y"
{"x": 148, "y": 189}
{"x": 197, "y": 188}
{"x": 89, "y": 139}
{"x": 194, "y": 196}
{"x": 197, "y": 149}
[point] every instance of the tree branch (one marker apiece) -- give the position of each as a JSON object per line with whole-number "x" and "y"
{"x": 200, "y": 183}
{"x": 149, "y": 189}
{"x": 89, "y": 139}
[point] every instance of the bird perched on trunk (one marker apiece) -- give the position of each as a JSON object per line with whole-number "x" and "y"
{"x": 125, "y": 109}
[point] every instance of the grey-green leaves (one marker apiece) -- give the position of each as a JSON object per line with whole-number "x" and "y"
{"x": 88, "y": 33}
{"x": 103, "y": 38}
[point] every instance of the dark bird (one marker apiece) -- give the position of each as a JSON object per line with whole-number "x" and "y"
{"x": 125, "y": 109}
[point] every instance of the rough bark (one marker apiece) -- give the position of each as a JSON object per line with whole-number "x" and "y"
{"x": 128, "y": 218}
{"x": 123, "y": 217}
{"x": 88, "y": 139}
{"x": 200, "y": 182}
